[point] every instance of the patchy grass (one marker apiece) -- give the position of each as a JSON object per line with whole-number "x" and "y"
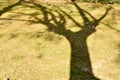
{"x": 29, "y": 51}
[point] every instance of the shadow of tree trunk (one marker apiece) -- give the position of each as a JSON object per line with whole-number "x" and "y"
{"x": 81, "y": 68}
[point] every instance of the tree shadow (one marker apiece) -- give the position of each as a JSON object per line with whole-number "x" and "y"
{"x": 80, "y": 64}
{"x": 81, "y": 68}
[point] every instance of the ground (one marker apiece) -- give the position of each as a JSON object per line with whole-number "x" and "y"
{"x": 28, "y": 51}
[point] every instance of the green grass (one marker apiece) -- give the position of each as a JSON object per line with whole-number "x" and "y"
{"x": 28, "y": 51}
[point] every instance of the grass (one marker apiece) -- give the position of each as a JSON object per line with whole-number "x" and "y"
{"x": 29, "y": 51}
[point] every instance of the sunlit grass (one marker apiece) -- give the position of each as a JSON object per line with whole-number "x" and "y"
{"x": 30, "y": 52}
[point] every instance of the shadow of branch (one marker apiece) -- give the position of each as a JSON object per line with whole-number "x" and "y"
{"x": 8, "y": 8}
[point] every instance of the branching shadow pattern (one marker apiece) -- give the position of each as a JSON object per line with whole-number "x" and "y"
{"x": 80, "y": 64}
